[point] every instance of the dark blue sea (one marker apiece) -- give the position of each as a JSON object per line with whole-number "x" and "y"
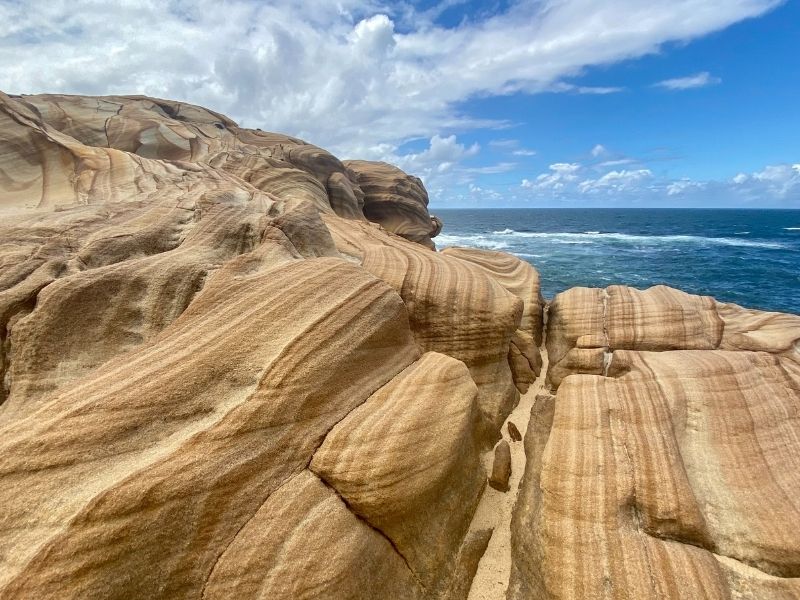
{"x": 750, "y": 257}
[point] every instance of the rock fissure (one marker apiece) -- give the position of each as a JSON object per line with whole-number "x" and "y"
{"x": 376, "y": 530}
{"x": 233, "y": 538}
{"x": 495, "y": 510}
{"x": 794, "y": 574}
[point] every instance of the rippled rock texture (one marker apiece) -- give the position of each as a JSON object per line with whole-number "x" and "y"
{"x": 232, "y": 366}
{"x": 668, "y": 464}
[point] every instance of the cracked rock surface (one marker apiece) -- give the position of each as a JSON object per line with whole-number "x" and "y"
{"x": 233, "y": 366}
{"x": 667, "y": 464}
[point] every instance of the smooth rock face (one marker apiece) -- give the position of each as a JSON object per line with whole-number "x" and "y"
{"x": 219, "y": 379}
{"x": 675, "y": 475}
{"x": 522, "y": 280}
{"x": 396, "y": 200}
{"x": 501, "y": 467}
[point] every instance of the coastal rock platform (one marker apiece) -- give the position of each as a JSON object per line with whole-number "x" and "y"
{"x": 232, "y": 365}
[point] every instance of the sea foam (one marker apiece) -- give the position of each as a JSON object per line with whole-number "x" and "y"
{"x": 590, "y": 237}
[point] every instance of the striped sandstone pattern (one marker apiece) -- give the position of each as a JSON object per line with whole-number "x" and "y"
{"x": 522, "y": 280}
{"x": 231, "y": 366}
{"x": 673, "y": 472}
{"x": 202, "y": 395}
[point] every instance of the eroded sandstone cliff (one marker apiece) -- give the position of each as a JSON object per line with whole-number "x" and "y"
{"x": 232, "y": 366}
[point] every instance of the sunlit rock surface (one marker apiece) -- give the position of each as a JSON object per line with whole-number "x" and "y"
{"x": 667, "y": 464}
{"x": 231, "y": 366}
{"x": 202, "y": 395}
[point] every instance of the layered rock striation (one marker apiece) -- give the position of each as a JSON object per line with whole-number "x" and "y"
{"x": 667, "y": 464}
{"x": 231, "y": 365}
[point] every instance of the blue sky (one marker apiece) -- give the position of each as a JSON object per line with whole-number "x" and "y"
{"x": 745, "y": 117}
{"x": 494, "y": 104}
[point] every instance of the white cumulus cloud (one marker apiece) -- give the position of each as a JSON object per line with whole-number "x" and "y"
{"x": 774, "y": 185}
{"x": 355, "y": 76}
{"x": 615, "y": 181}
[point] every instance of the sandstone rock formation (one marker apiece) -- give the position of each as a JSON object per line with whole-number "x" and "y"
{"x": 455, "y": 308}
{"x": 667, "y": 465}
{"x": 231, "y": 366}
{"x": 220, "y": 378}
{"x": 522, "y": 280}
{"x": 394, "y": 199}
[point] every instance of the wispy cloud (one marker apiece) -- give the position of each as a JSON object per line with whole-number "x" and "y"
{"x": 503, "y": 167}
{"x": 563, "y": 87}
{"x": 513, "y": 147}
{"x": 599, "y": 150}
{"x": 697, "y": 80}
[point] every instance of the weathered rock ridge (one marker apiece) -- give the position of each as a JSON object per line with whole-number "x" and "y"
{"x": 231, "y": 365}
{"x": 667, "y": 464}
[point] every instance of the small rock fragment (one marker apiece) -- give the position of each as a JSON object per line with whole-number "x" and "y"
{"x": 513, "y": 432}
{"x": 501, "y": 469}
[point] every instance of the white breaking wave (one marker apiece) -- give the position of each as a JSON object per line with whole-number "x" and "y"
{"x": 479, "y": 241}
{"x": 591, "y": 237}
{"x": 792, "y": 228}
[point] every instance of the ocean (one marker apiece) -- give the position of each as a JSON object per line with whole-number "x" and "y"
{"x": 749, "y": 257}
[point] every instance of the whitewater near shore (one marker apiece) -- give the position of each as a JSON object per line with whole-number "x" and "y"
{"x": 748, "y": 257}
{"x": 233, "y": 365}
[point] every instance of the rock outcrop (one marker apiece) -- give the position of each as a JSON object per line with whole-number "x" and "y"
{"x": 394, "y": 199}
{"x": 231, "y": 365}
{"x": 522, "y": 280}
{"x": 455, "y": 308}
{"x": 667, "y": 465}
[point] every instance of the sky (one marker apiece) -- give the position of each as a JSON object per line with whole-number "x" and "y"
{"x": 500, "y": 103}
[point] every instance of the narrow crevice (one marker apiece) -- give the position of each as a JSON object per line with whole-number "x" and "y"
{"x": 335, "y": 491}
{"x": 496, "y": 509}
{"x": 793, "y": 573}
{"x": 608, "y": 352}
{"x": 107, "y": 121}
{"x": 371, "y": 526}
{"x": 247, "y": 521}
